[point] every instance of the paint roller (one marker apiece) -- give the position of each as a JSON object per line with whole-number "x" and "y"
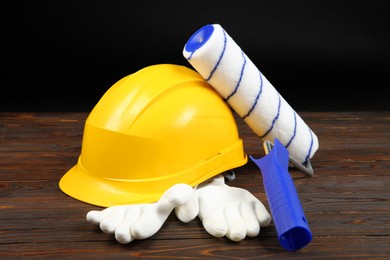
{"x": 221, "y": 62}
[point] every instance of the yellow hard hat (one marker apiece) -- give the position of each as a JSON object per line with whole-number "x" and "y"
{"x": 160, "y": 126}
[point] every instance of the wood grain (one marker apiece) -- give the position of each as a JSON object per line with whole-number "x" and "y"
{"x": 347, "y": 202}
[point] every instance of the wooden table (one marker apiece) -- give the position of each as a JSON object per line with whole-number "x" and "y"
{"x": 347, "y": 202}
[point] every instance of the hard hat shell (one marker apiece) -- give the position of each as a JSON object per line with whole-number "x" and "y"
{"x": 160, "y": 126}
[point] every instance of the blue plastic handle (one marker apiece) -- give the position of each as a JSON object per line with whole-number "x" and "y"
{"x": 287, "y": 213}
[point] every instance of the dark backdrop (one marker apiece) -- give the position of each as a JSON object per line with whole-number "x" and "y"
{"x": 320, "y": 55}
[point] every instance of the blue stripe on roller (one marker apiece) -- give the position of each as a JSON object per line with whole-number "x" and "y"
{"x": 257, "y": 97}
{"x": 239, "y": 80}
{"x": 220, "y": 57}
{"x": 311, "y": 146}
{"x": 192, "y": 53}
{"x": 274, "y": 120}
{"x": 295, "y": 130}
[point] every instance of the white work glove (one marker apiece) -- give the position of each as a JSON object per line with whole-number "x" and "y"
{"x": 223, "y": 210}
{"x": 226, "y": 211}
{"x": 140, "y": 221}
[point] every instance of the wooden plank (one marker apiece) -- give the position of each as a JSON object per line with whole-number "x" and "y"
{"x": 338, "y": 247}
{"x": 347, "y": 202}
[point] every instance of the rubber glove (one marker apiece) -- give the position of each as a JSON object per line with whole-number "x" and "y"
{"x": 226, "y": 211}
{"x": 140, "y": 221}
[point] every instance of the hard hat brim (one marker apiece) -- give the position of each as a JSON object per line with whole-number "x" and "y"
{"x": 105, "y": 192}
{"x": 80, "y": 185}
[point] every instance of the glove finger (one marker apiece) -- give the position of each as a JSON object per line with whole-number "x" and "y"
{"x": 122, "y": 231}
{"x": 249, "y": 217}
{"x": 189, "y": 210}
{"x": 112, "y": 220}
{"x": 151, "y": 219}
{"x": 262, "y": 214}
{"x": 236, "y": 226}
{"x": 215, "y": 224}
{"x": 178, "y": 194}
{"x": 95, "y": 216}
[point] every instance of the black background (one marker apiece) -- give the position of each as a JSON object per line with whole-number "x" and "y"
{"x": 320, "y": 55}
